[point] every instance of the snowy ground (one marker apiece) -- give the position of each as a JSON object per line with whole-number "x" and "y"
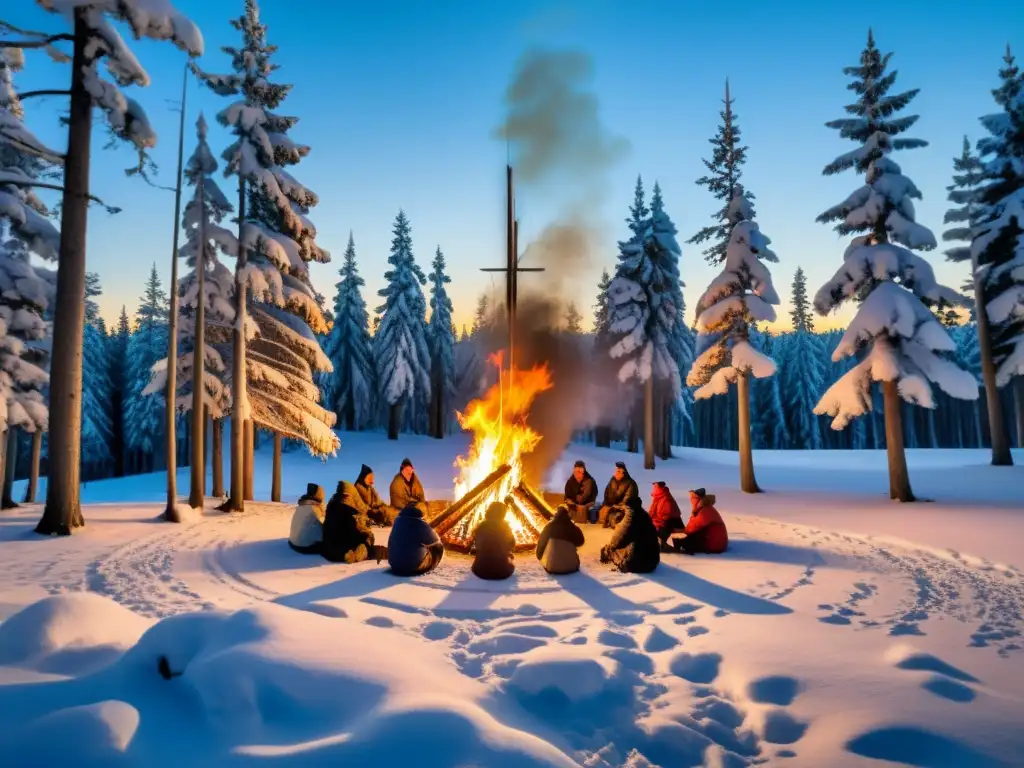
{"x": 841, "y": 629}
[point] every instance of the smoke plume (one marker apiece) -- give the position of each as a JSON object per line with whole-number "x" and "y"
{"x": 559, "y": 145}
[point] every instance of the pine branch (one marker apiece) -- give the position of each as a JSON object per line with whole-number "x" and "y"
{"x": 57, "y": 188}
{"x": 43, "y": 43}
{"x": 44, "y": 92}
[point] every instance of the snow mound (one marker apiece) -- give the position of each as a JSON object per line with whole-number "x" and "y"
{"x": 69, "y": 633}
{"x": 571, "y": 670}
{"x": 268, "y": 682}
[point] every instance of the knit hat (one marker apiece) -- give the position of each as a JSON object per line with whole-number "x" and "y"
{"x": 700, "y": 493}
{"x": 363, "y": 472}
{"x": 621, "y": 465}
{"x": 311, "y": 489}
{"x": 579, "y": 464}
{"x": 405, "y": 463}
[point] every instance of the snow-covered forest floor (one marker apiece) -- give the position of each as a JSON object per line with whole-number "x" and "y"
{"x": 840, "y": 629}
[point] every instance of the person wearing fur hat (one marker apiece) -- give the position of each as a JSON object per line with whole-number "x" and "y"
{"x": 406, "y": 489}
{"x": 494, "y": 545}
{"x": 705, "y": 531}
{"x": 580, "y": 493}
{"x": 634, "y": 546}
{"x": 307, "y": 529}
{"x": 620, "y": 489}
{"x": 377, "y": 511}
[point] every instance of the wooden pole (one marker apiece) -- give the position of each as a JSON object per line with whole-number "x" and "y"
{"x": 171, "y": 412}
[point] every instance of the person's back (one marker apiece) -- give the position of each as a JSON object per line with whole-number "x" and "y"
{"x": 307, "y": 527}
{"x": 347, "y": 535}
{"x": 634, "y": 546}
{"x": 414, "y": 547}
{"x": 559, "y": 542}
{"x": 705, "y": 531}
{"x": 494, "y": 545}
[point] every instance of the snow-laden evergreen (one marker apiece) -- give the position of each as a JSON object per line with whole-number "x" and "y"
{"x": 800, "y": 314}
{"x": 645, "y": 297}
{"x": 802, "y": 378}
{"x": 97, "y": 396}
{"x": 117, "y": 354}
{"x": 145, "y": 412}
{"x": 400, "y": 342}
{"x": 441, "y": 341}
{"x": 205, "y": 238}
{"x": 768, "y": 423}
{"x": 284, "y": 358}
{"x": 740, "y": 296}
{"x": 998, "y": 245}
{"x": 894, "y": 335}
{"x": 725, "y": 170}
{"x": 602, "y": 314}
{"x": 349, "y": 389}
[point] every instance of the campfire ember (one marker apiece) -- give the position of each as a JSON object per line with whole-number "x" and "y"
{"x": 492, "y": 470}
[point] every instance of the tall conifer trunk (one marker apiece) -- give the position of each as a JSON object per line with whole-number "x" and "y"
{"x": 250, "y": 457}
{"x": 33, "y": 470}
{"x": 197, "y": 470}
{"x": 1001, "y": 456}
{"x": 11, "y": 466}
{"x": 217, "y": 458}
{"x": 239, "y": 398}
{"x": 748, "y": 482}
{"x": 394, "y": 420}
{"x": 1018, "y": 403}
{"x": 899, "y": 476}
{"x": 649, "y": 423}
{"x": 275, "y": 486}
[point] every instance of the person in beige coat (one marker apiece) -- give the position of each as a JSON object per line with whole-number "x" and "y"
{"x": 307, "y": 529}
{"x": 559, "y": 542}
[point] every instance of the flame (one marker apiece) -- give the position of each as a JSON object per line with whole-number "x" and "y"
{"x": 500, "y": 436}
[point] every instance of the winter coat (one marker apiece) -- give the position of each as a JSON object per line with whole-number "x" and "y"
{"x": 663, "y": 507}
{"x": 635, "y": 546}
{"x": 307, "y": 529}
{"x": 581, "y": 492}
{"x": 493, "y": 544}
{"x": 375, "y": 506}
{"x": 705, "y": 516}
{"x": 619, "y": 492}
{"x": 558, "y": 544}
{"x": 405, "y": 493}
{"x": 410, "y": 542}
{"x": 345, "y": 524}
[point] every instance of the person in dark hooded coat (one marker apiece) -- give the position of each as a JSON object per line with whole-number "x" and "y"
{"x": 559, "y": 543}
{"x": 414, "y": 548}
{"x": 620, "y": 489}
{"x": 377, "y": 511}
{"x": 494, "y": 545}
{"x": 580, "y": 493}
{"x": 406, "y": 488}
{"x": 634, "y": 546}
{"x": 347, "y": 534}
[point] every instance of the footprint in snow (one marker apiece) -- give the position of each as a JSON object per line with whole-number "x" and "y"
{"x": 380, "y": 621}
{"x": 697, "y": 667}
{"x": 438, "y": 630}
{"x": 780, "y": 690}
{"x": 658, "y": 640}
{"x": 615, "y": 639}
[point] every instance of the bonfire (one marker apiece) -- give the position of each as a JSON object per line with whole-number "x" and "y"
{"x": 492, "y": 470}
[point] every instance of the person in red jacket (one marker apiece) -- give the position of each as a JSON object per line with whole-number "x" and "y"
{"x": 705, "y": 531}
{"x": 665, "y": 514}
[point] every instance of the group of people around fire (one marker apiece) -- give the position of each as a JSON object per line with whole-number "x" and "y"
{"x": 342, "y": 530}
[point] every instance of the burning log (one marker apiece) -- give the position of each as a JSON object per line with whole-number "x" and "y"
{"x": 536, "y": 501}
{"x": 522, "y": 514}
{"x": 451, "y": 516}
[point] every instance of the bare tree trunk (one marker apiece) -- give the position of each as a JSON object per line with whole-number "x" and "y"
{"x": 1018, "y": 404}
{"x": 1001, "y": 456}
{"x": 603, "y": 436}
{"x": 748, "y": 482}
{"x": 250, "y": 448}
{"x": 394, "y": 420}
{"x": 3, "y": 456}
{"x": 239, "y": 398}
{"x": 63, "y": 510}
{"x": 632, "y": 436}
{"x": 197, "y": 469}
{"x": 33, "y": 469}
{"x": 275, "y": 486}
{"x": 217, "y": 454}
{"x": 10, "y": 468}
{"x": 899, "y": 476}
{"x": 649, "y": 423}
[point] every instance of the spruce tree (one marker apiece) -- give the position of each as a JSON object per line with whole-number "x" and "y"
{"x": 968, "y": 174}
{"x": 897, "y": 340}
{"x": 117, "y": 346}
{"x": 725, "y": 169}
{"x": 802, "y": 374}
{"x": 769, "y": 427}
{"x": 97, "y": 399}
{"x": 441, "y": 343}
{"x": 603, "y": 375}
{"x": 738, "y": 298}
{"x": 573, "y": 319}
{"x": 801, "y": 312}
{"x": 481, "y": 318}
{"x": 400, "y": 343}
{"x": 350, "y": 392}
{"x": 144, "y": 412}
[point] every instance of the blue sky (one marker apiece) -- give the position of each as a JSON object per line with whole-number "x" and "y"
{"x": 399, "y": 99}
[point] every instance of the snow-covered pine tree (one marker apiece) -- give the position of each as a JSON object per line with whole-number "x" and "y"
{"x": 144, "y": 412}
{"x": 740, "y": 296}
{"x": 768, "y": 423}
{"x": 277, "y": 243}
{"x": 95, "y": 38}
{"x": 725, "y": 169}
{"x": 801, "y": 371}
{"x": 573, "y": 319}
{"x": 350, "y": 390}
{"x": 800, "y": 314}
{"x": 602, "y": 377}
{"x": 441, "y": 343}
{"x": 97, "y": 402}
{"x": 400, "y": 343}
{"x": 998, "y": 246}
{"x": 901, "y": 343}
{"x": 968, "y": 174}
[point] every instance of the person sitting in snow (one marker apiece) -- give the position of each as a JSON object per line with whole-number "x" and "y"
{"x": 406, "y": 488}
{"x": 347, "y": 534}
{"x": 580, "y": 493}
{"x": 665, "y": 513}
{"x": 494, "y": 545}
{"x": 414, "y": 547}
{"x": 377, "y": 511}
{"x": 634, "y": 546}
{"x": 559, "y": 543}
{"x": 307, "y": 530}
{"x": 705, "y": 531}
{"x": 620, "y": 489}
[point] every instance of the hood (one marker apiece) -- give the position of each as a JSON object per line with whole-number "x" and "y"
{"x": 313, "y": 493}
{"x": 660, "y": 492}
{"x": 411, "y": 511}
{"x": 707, "y": 500}
{"x": 561, "y": 512}
{"x": 496, "y": 512}
{"x": 362, "y": 475}
{"x": 349, "y": 495}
